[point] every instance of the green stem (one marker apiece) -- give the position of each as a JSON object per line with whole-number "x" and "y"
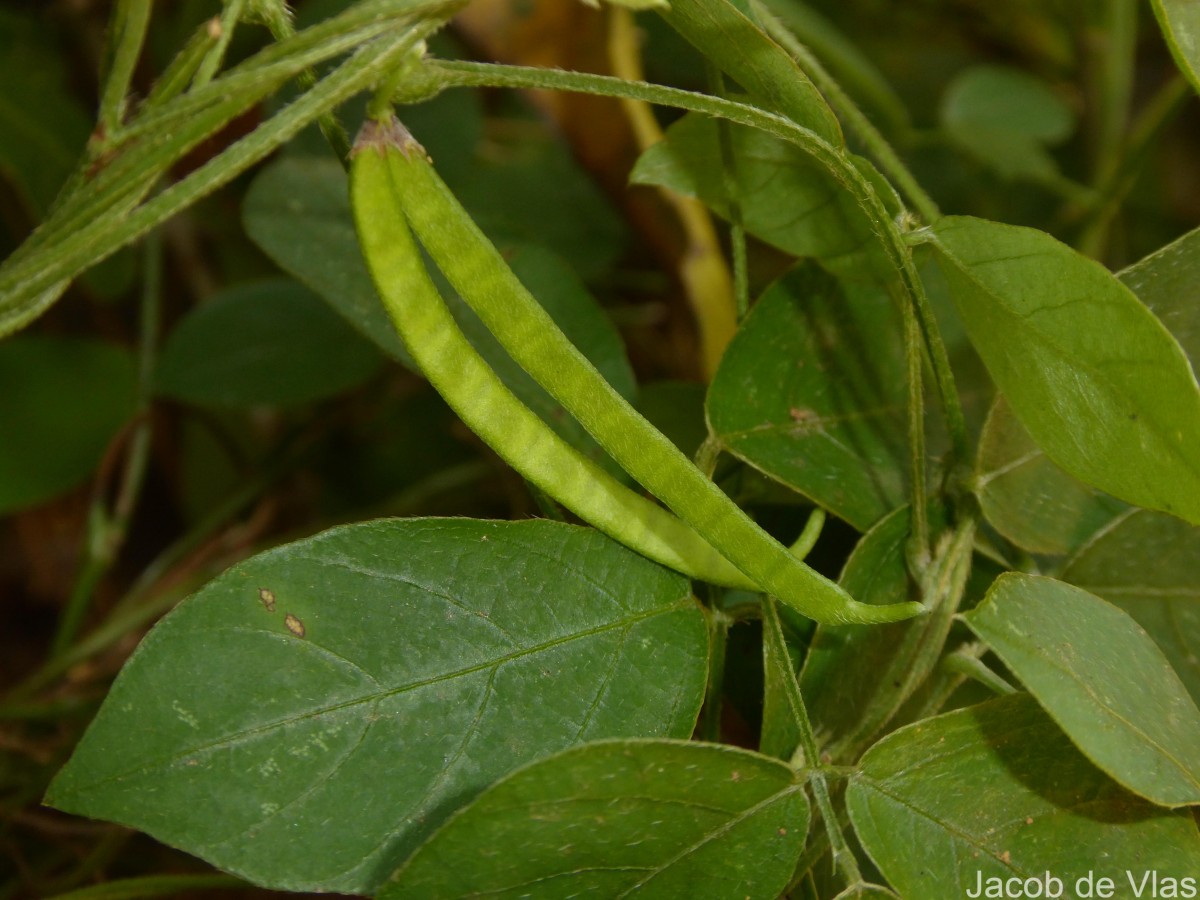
{"x": 25, "y": 286}
{"x": 224, "y": 26}
{"x": 128, "y": 33}
{"x": 966, "y": 661}
{"x": 1143, "y": 136}
{"x": 133, "y": 611}
{"x": 107, "y": 532}
{"x": 1113, "y": 84}
{"x": 877, "y": 145}
{"x": 808, "y": 754}
{"x": 107, "y": 188}
{"x": 850, "y": 66}
{"x": 808, "y": 537}
{"x": 282, "y": 27}
{"x": 919, "y": 541}
{"x": 182, "y": 69}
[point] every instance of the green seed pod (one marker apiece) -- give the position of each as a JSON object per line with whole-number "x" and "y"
{"x": 482, "y": 400}
{"x": 480, "y": 275}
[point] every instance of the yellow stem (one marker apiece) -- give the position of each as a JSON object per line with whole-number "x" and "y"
{"x": 703, "y": 270}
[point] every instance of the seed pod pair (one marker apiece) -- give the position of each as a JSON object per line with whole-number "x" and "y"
{"x": 394, "y": 188}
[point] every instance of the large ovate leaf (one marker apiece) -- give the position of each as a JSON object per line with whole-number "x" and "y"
{"x": 1091, "y": 373}
{"x": 272, "y": 343}
{"x": 1102, "y": 678}
{"x": 997, "y": 791}
{"x": 1146, "y": 563}
{"x": 655, "y": 819}
{"x": 309, "y": 717}
{"x": 298, "y": 212}
{"x": 811, "y": 391}
{"x": 1180, "y": 23}
{"x": 1027, "y": 498}
{"x": 62, "y": 400}
{"x": 782, "y": 196}
{"x": 726, "y": 35}
{"x": 1007, "y": 118}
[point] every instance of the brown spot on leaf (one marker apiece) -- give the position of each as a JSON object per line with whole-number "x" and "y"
{"x": 294, "y": 625}
{"x": 267, "y": 598}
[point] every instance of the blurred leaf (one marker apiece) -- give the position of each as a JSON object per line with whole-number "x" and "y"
{"x": 997, "y": 791}
{"x": 43, "y": 128}
{"x": 272, "y": 343}
{"x": 783, "y": 197}
{"x": 1091, "y": 373}
{"x": 1145, "y": 563}
{"x": 1006, "y": 118}
{"x": 1180, "y": 23}
{"x": 1168, "y": 281}
{"x": 1101, "y": 678}
{"x": 1027, "y": 498}
{"x": 298, "y": 212}
{"x": 812, "y": 392}
{"x": 531, "y": 190}
{"x": 63, "y": 400}
{"x": 653, "y": 818}
{"x": 676, "y": 408}
{"x": 725, "y": 34}
{"x": 310, "y": 716}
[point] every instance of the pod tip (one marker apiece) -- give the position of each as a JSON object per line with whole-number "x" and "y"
{"x": 380, "y": 134}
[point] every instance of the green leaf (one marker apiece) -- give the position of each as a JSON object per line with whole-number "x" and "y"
{"x": 811, "y": 391}
{"x": 1006, "y": 118}
{"x": 1166, "y": 281}
{"x": 997, "y": 790}
{"x": 852, "y": 673}
{"x": 1091, "y": 373}
{"x": 532, "y": 191}
{"x": 725, "y": 35}
{"x": 298, "y": 212}
{"x": 43, "y": 128}
{"x": 310, "y": 716}
{"x": 783, "y": 196}
{"x": 1102, "y": 678}
{"x": 1027, "y": 498}
{"x": 272, "y": 343}
{"x": 657, "y": 818}
{"x": 1180, "y": 23}
{"x": 63, "y": 401}
{"x": 1145, "y": 563}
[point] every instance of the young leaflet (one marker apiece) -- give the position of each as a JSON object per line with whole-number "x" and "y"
{"x": 394, "y": 187}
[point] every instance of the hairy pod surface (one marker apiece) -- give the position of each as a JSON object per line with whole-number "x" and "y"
{"x": 396, "y": 183}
